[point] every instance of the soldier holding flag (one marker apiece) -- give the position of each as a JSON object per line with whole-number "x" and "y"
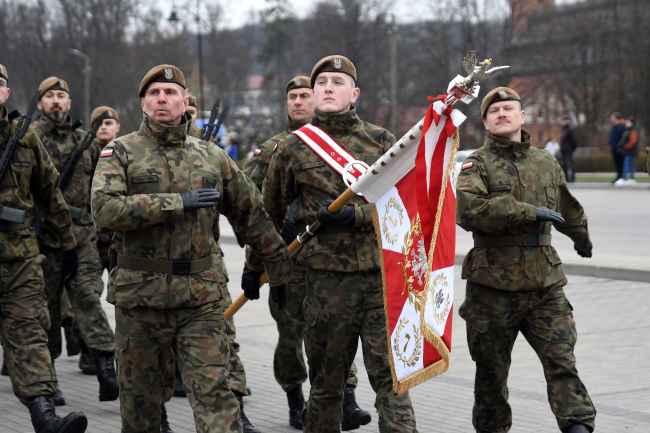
{"x": 344, "y": 285}
{"x": 509, "y": 194}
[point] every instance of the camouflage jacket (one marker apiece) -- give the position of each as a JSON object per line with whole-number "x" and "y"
{"x": 497, "y": 196}
{"x": 104, "y": 238}
{"x": 59, "y": 141}
{"x": 31, "y": 180}
{"x": 136, "y": 194}
{"x": 297, "y": 172}
{"x": 256, "y": 167}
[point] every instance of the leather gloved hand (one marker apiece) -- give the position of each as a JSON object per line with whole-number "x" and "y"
{"x": 69, "y": 264}
{"x": 344, "y": 217}
{"x": 545, "y": 214}
{"x": 584, "y": 251}
{"x": 279, "y": 295}
{"x": 250, "y": 283}
{"x": 199, "y": 198}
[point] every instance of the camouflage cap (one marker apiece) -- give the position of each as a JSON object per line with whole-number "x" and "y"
{"x": 110, "y": 114}
{"x": 299, "y": 82}
{"x": 3, "y": 73}
{"x": 53, "y": 83}
{"x": 192, "y": 100}
{"x": 333, "y": 64}
{"x": 162, "y": 74}
{"x": 499, "y": 94}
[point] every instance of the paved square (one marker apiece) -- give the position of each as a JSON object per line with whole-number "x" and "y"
{"x": 613, "y": 319}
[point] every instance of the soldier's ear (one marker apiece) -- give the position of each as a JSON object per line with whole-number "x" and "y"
{"x": 69, "y": 103}
{"x": 355, "y": 94}
{"x": 523, "y": 117}
{"x": 40, "y": 106}
{"x": 485, "y": 123}
{"x": 118, "y": 128}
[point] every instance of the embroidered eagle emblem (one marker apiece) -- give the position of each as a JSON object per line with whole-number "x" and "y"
{"x": 297, "y": 82}
{"x": 337, "y": 63}
{"x": 168, "y": 73}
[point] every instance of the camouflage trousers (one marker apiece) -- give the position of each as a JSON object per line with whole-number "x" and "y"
{"x": 23, "y": 319}
{"x": 340, "y": 308}
{"x": 288, "y": 361}
{"x": 83, "y": 289}
{"x": 147, "y": 339}
{"x": 494, "y": 319}
{"x": 235, "y": 364}
{"x": 102, "y": 249}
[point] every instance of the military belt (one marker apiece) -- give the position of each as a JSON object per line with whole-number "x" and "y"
{"x": 7, "y": 226}
{"x": 12, "y": 215}
{"x": 75, "y": 212}
{"x": 179, "y": 267}
{"x": 525, "y": 240}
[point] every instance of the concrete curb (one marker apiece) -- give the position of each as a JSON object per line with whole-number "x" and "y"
{"x": 611, "y": 273}
{"x": 606, "y": 185}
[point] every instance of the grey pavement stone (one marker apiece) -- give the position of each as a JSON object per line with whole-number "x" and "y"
{"x": 613, "y": 319}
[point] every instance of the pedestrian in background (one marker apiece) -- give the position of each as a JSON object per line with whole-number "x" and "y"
{"x": 568, "y": 145}
{"x": 553, "y": 147}
{"x": 628, "y": 146}
{"x": 618, "y": 129}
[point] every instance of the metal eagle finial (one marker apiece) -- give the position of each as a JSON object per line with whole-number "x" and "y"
{"x": 478, "y": 71}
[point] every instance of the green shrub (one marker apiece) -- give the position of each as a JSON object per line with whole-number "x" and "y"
{"x": 604, "y": 162}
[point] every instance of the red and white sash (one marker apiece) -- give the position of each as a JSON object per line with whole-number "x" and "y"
{"x": 330, "y": 151}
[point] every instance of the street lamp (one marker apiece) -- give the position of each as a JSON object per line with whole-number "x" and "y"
{"x": 173, "y": 18}
{"x": 86, "y": 73}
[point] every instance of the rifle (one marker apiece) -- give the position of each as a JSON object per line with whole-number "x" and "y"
{"x": 19, "y": 133}
{"x": 71, "y": 163}
{"x": 210, "y": 129}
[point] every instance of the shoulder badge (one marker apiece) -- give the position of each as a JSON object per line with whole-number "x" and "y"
{"x": 106, "y": 153}
{"x": 467, "y": 165}
{"x": 168, "y": 73}
{"x": 337, "y": 63}
{"x": 275, "y": 147}
{"x": 257, "y": 152}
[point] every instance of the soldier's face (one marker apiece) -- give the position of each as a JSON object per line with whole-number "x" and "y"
{"x": 505, "y": 119}
{"x": 55, "y": 104}
{"x": 334, "y": 92}
{"x": 165, "y": 102}
{"x": 300, "y": 104}
{"x": 192, "y": 111}
{"x": 108, "y": 131}
{"x": 4, "y": 92}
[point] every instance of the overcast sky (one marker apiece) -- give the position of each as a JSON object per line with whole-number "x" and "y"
{"x": 237, "y": 12}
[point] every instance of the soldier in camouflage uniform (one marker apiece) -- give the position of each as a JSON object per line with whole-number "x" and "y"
{"x": 509, "y": 194}
{"x": 60, "y": 139}
{"x": 161, "y": 192}
{"x": 344, "y": 286}
{"x": 288, "y": 361}
{"x": 30, "y": 180}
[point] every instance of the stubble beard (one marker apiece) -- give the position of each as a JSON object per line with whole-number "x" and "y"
{"x": 56, "y": 118}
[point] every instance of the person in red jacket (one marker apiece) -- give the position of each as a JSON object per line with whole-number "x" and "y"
{"x": 629, "y": 147}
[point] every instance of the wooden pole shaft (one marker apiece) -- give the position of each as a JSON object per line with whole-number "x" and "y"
{"x": 293, "y": 247}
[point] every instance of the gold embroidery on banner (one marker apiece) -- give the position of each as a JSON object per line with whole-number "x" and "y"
{"x": 418, "y": 263}
{"x": 392, "y": 203}
{"x": 417, "y": 348}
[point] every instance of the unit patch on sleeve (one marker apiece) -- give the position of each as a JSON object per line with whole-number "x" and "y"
{"x": 468, "y": 165}
{"x": 105, "y": 153}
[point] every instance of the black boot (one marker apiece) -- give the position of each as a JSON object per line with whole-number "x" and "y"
{"x": 5, "y": 370}
{"x": 164, "y": 424}
{"x": 179, "y": 388}
{"x": 247, "y": 427}
{"x": 108, "y": 387}
{"x": 87, "y": 363}
{"x": 576, "y": 428}
{"x": 58, "y": 398}
{"x": 45, "y": 420}
{"x": 353, "y": 416}
{"x": 296, "y": 403}
{"x": 70, "y": 339}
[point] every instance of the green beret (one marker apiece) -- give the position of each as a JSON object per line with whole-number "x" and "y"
{"x": 500, "y": 94}
{"x": 333, "y": 64}
{"x": 110, "y": 114}
{"x": 53, "y": 83}
{"x": 299, "y": 82}
{"x": 3, "y": 73}
{"x": 162, "y": 74}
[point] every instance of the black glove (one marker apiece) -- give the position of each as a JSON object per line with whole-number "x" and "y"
{"x": 279, "y": 295}
{"x": 584, "y": 251}
{"x": 250, "y": 283}
{"x": 199, "y": 198}
{"x": 545, "y": 214}
{"x": 69, "y": 264}
{"x": 344, "y": 217}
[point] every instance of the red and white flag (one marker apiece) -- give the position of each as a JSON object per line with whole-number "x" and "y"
{"x": 415, "y": 222}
